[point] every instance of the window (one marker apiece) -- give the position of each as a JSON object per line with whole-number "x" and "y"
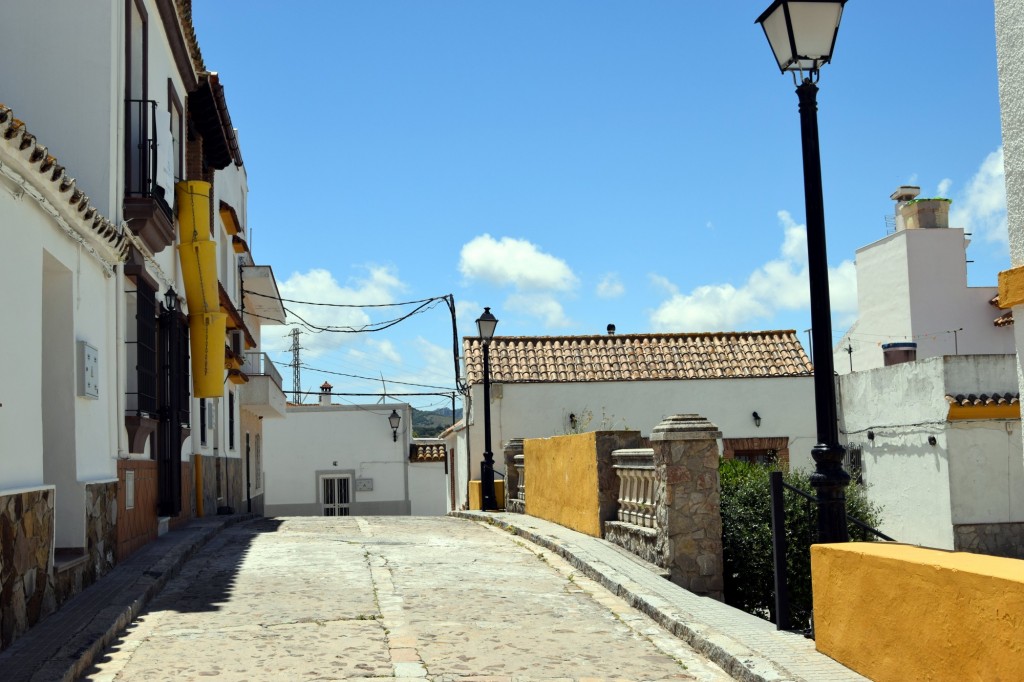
{"x": 762, "y": 457}
{"x": 202, "y": 421}
{"x": 231, "y": 420}
{"x": 259, "y": 462}
{"x": 141, "y": 346}
{"x": 175, "y": 110}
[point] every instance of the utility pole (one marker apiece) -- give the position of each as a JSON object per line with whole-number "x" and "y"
{"x": 849, "y": 351}
{"x": 810, "y": 346}
{"x": 296, "y": 371}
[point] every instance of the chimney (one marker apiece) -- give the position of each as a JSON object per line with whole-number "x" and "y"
{"x": 896, "y": 353}
{"x": 325, "y": 394}
{"x": 611, "y": 330}
{"x": 913, "y": 213}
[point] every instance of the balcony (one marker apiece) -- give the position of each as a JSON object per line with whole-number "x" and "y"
{"x": 263, "y": 395}
{"x": 146, "y": 206}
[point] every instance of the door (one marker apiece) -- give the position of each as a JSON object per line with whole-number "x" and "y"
{"x": 335, "y": 494}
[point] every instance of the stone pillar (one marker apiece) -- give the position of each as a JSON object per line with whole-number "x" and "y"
{"x": 687, "y": 501}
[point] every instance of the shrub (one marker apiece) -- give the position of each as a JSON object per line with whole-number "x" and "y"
{"x": 747, "y": 538}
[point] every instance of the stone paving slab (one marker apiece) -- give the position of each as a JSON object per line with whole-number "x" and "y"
{"x": 432, "y": 599}
{"x": 748, "y": 648}
{"x": 64, "y": 644}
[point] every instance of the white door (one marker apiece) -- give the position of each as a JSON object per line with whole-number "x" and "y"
{"x": 335, "y": 494}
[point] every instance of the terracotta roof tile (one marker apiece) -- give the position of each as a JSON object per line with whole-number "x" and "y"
{"x": 14, "y": 133}
{"x": 638, "y": 357}
{"x": 974, "y": 400}
{"x": 1004, "y": 320}
{"x": 427, "y": 451}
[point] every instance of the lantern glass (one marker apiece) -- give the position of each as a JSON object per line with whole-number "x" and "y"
{"x": 802, "y": 33}
{"x": 394, "y": 419}
{"x": 486, "y": 324}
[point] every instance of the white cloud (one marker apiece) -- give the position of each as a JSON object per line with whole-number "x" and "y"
{"x": 944, "y": 185}
{"x": 780, "y": 284}
{"x": 981, "y": 209}
{"x": 514, "y": 262}
{"x": 379, "y": 285}
{"x": 384, "y": 349}
{"x": 610, "y": 286}
{"x": 541, "y": 305}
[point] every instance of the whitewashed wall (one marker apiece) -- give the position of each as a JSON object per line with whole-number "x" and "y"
{"x": 1010, "y": 54}
{"x": 975, "y": 471}
{"x": 427, "y": 488}
{"x": 912, "y": 286}
{"x": 55, "y": 293}
{"x": 358, "y": 438}
{"x": 785, "y": 404}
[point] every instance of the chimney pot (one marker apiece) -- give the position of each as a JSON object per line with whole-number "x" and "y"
{"x": 611, "y": 329}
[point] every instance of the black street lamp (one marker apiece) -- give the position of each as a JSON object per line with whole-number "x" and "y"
{"x": 394, "y": 418}
{"x": 488, "y": 500}
{"x": 802, "y": 34}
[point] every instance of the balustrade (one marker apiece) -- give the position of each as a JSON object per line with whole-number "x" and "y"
{"x": 635, "y": 470}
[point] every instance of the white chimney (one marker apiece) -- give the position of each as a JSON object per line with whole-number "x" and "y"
{"x": 325, "y": 394}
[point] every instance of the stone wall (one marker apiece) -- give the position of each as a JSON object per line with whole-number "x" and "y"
{"x": 642, "y": 542}
{"x": 996, "y": 539}
{"x": 101, "y": 527}
{"x": 136, "y": 526}
{"x": 234, "y": 470}
{"x": 26, "y": 579}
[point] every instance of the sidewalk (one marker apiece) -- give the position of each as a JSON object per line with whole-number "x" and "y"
{"x": 65, "y": 643}
{"x": 748, "y": 648}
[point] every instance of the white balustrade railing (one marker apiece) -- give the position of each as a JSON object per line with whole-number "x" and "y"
{"x": 635, "y": 469}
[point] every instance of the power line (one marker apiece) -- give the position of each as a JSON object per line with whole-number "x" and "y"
{"x": 345, "y": 305}
{"x": 390, "y": 381}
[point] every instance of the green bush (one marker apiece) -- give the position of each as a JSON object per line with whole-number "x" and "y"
{"x": 747, "y": 538}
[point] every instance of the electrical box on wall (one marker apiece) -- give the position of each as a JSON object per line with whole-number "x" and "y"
{"x": 88, "y": 371}
{"x": 364, "y": 484}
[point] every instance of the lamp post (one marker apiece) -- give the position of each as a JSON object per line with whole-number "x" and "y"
{"x": 394, "y": 418}
{"x": 802, "y": 34}
{"x": 488, "y": 501}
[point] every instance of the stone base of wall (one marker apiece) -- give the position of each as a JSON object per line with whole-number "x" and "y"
{"x": 234, "y": 471}
{"x": 101, "y": 527}
{"x": 641, "y": 541}
{"x": 995, "y": 539}
{"x": 516, "y": 506}
{"x": 26, "y": 581}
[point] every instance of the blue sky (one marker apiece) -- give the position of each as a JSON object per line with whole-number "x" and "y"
{"x": 571, "y": 163}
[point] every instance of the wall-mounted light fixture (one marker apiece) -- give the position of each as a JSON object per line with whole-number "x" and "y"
{"x": 871, "y": 435}
{"x": 170, "y": 299}
{"x": 757, "y": 419}
{"x": 394, "y": 419}
{"x": 572, "y": 421}
{"x": 931, "y": 440}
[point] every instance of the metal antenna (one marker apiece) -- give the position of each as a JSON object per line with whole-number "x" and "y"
{"x": 296, "y": 371}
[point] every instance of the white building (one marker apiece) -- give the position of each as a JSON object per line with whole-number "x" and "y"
{"x": 545, "y": 386}
{"x": 912, "y": 288}
{"x": 346, "y": 460}
{"x": 938, "y": 443}
{"x": 119, "y": 111}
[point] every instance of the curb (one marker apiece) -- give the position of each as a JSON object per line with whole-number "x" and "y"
{"x": 736, "y": 659}
{"x": 68, "y": 668}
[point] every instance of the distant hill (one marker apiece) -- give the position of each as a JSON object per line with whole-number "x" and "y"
{"x": 431, "y": 424}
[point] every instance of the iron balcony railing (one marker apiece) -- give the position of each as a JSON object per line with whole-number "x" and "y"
{"x": 142, "y": 144}
{"x": 258, "y": 364}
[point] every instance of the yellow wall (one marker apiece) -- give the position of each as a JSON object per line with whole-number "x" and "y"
{"x": 898, "y": 612}
{"x": 561, "y": 481}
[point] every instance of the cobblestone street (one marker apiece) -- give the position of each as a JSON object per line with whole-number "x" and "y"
{"x": 385, "y": 598}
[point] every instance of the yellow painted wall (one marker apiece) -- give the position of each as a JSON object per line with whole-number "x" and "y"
{"x": 561, "y": 481}
{"x": 476, "y": 496}
{"x": 899, "y": 612}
